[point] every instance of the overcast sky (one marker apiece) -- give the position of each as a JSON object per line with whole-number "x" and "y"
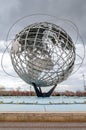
{"x": 12, "y": 10}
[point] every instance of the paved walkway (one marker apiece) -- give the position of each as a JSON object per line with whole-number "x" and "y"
{"x": 41, "y": 126}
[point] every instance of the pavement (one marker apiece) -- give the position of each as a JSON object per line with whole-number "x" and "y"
{"x": 42, "y": 126}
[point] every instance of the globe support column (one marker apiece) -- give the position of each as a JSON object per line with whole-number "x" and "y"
{"x": 39, "y": 92}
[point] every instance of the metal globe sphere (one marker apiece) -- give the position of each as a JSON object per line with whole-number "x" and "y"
{"x": 43, "y": 53}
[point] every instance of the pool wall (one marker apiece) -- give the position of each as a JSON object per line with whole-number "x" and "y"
{"x": 42, "y": 116}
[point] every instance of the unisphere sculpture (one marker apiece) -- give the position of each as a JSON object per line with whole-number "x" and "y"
{"x": 43, "y": 54}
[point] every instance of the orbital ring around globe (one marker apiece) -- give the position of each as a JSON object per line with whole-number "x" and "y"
{"x": 70, "y": 22}
{"x": 43, "y": 53}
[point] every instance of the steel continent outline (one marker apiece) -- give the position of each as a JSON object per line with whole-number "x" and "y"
{"x": 43, "y": 53}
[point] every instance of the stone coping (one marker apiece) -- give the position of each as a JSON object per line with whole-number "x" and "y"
{"x": 42, "y": 116}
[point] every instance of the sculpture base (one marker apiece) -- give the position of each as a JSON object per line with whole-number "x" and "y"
{"x": 39, "y": 92}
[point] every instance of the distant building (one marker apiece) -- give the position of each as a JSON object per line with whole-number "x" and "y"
{"x": 84, "y": 82}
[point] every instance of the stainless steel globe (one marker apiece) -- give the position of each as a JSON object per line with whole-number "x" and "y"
{"x": 43, "y": 53}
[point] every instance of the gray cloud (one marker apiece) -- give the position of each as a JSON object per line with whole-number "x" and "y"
{"x": 11, "y": 10}
{"x": 8, "y": 11}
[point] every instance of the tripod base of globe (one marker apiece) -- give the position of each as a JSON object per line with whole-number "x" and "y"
{"x": 39, "y": 92}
